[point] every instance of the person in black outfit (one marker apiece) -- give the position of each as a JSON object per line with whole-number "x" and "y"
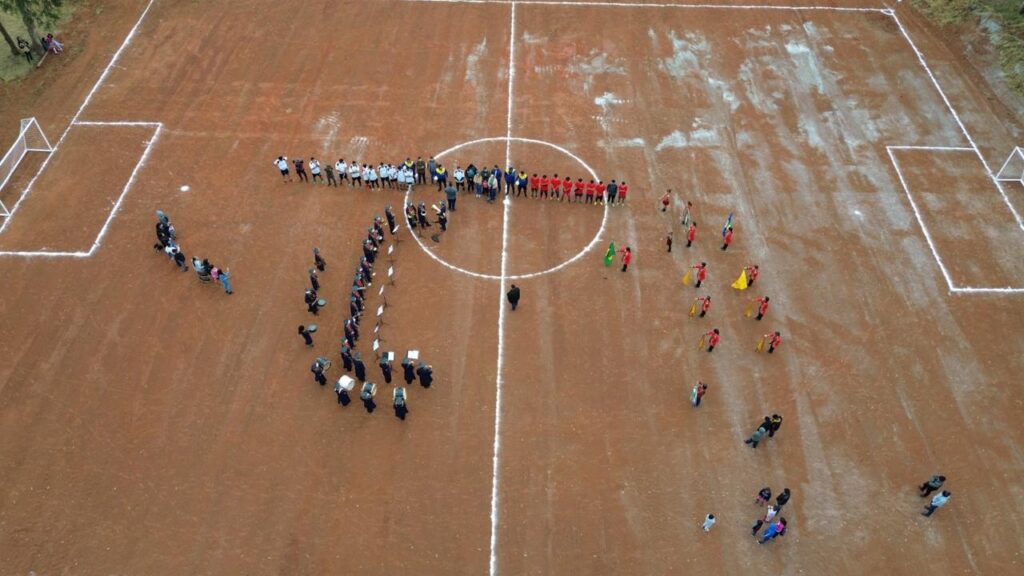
{"x": 513, "y": 296}
{"x": 360, "y": 367}
{"x": 426, "y": 374}
{"x": 318, "y": 372}
{"x": 385, "y": 368}
{"x": 409, "y": 371}
{"x": 305, "y": 335}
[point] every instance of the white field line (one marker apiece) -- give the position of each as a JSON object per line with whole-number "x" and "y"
{"x": 971, "y": 290}
{"x": 934, "y": 148}
{"x": 654, "y": 5}
{"x": 45, "y": 254}
{"x": 920, "y": 220}
{"x": 74, "y": 119}
{"x": 949, "y": 105}
{"x": 118, "y": 123}
{"x": 499, "y": 376}
{"x": 124, "y": 192}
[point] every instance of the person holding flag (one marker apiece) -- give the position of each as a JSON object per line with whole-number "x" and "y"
{"x": 774, "y": 341}
{"x": 752, "y": 271}
{"x": 698, "y": 393}
{"x": 627, "y": 257}
{"x": 701, "y": 304}
{"x": 686, "y": 214}
{"x": 727, "y": 239}
{"x": 762, "y": 306}
{"x": 609, "y": 256}
{"x": 728, "y": 225}
{"x": 702, "y": 273}
{"x": 711, "y": 338}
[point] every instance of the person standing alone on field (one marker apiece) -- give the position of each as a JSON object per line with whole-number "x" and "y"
{"x": 698, "y": 392}
{"x": 627, "y": 258}
{"x": 305, "y": 335}
{"x": 513, "y": 297}
{"x": 709, "y": 521}
{"x": 666, "y": 200}
{"x": 691, "y": 234}
{"x": 713, "y": 337}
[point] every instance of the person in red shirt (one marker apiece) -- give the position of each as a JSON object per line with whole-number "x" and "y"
{"x": 534, "y": 185}
{"x": 623, "y": 189}
{"x": 704, "y": 303}
{"x": 545, "y": 183}
{"x": 627, "y": 257}
{"x": 691, "y": 234}
{"x": 713, "y": 337}
{"x": 752, "y": 272}
{"x": 762, "y": 306}
{"x": 555, "y": 185}
{"x": 727, "y": 239}
{"x": 599, "y": 191}
{"x": 702, "y": 273}
{"x": 591, "y": 188}
{"x": 774, "y": 341}
{"x": 567, "y": 189}
{"x": 666, "y": 199}
{"x": 578, "y": 190}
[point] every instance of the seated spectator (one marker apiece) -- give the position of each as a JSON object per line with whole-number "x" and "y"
{"x": 54, "y": 46}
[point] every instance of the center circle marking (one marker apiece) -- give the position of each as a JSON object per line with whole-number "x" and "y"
{"x": 580, "y": 254}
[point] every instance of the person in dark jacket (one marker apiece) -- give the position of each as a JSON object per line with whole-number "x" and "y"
{"x": 385, "y": 368}
{"x": 513, "y": 296}
{"x": 426, "y": 374}
{"x": 409, "y": 371}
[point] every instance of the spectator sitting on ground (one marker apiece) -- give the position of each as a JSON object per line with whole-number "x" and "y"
{"x": 53, "y": 45}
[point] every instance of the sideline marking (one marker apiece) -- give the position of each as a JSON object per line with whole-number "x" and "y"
{"x": 581, "y": 254}
{"x": 655, "y": 5}
{"x": 74, "y": 119}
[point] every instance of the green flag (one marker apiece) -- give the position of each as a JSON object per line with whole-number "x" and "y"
{"x": 609, "y": 256}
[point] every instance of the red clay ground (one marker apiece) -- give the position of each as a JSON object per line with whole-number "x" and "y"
{"x": 152, "y": 425}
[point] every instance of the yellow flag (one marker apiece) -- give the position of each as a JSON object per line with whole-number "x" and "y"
{"x": 702, "y": 341}
{"x": 693, "y": 309}
{"x": 741, "y": 282}
{"x": 686, "y": 278}
{"x": 750, "y": 310}
{"x": 760, "y": 344}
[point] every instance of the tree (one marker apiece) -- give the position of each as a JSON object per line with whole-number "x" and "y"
{"x": 34, "y": 13}
{"x": 10, "y": 41}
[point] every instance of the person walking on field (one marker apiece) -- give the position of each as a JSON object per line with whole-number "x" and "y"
{"x": 709, "y": 521}
{"x": 627, "y": 258}
{"x": 763, "y": 496}
{"x": 774, "y": 341}
{"x": 756, "y": 437}
{"x": 668, "y": 239}
{"x": 282, "y": 165}
{"x": 666, "y": 200}
{"x": 727, "y": 239}
{"x": 513, "y": 296}
{"x": 329, "y": 170}
{"x": 933, "y": 484}
{"x": 385, "y": 368}
{"x": 306, "y": 336}
{"x": 938, "y": 501}
{"x": 691, "y": 234}
{"x": 314, "y": 168}
{"x": 318, "y": 260}
{"x": 768, "y": 517}
{"x": 774, "y": 424}
{"x": 713, "y": 337}
{"x": 702, "y": 273}
{"x": 781, "y": 499}
{"x": 225, "y": 280}
{"x": 698, "y": 393}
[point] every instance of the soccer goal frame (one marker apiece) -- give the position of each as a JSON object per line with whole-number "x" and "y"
{"x": 1013, "y": 168}
{"x": 30, "y": 139}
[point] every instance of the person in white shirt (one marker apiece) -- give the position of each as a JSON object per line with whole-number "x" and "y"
{"x": 460, "y": 178}
{"x": 282, "y": 165}
{"x": 392, "y": 176}
{"x": 382, "y": 171}
{"x": 314, "y": 169}
{"x": 709, "y": 521}
{"x": 342, "y": 169}
{"x": 355, "y": 174}
{"x": 371, "y": 177}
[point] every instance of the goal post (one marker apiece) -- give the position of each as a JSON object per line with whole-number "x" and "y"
{"x": 30, "y": 139}
{"x": 1013, "y": 168}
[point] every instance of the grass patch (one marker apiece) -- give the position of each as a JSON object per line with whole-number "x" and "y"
{"x": 1000, "y": 19}
{"x": 16, "y": 67}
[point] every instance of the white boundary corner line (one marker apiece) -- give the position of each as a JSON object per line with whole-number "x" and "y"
{"x": 157, "y": 126}
{"x": 499, "y": 377}
{"x": 589, "y": 4}
{"x": 953, "y": 288}
{"x": 78, "y": 113}
{"x": 949, "y": 106}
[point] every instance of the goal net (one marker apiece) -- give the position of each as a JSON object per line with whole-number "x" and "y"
{"x": 1013, "y": 168}
{"x": 30, "y": 139}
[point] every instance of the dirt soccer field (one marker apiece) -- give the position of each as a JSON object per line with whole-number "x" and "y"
{"x": 153, "y": 425}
